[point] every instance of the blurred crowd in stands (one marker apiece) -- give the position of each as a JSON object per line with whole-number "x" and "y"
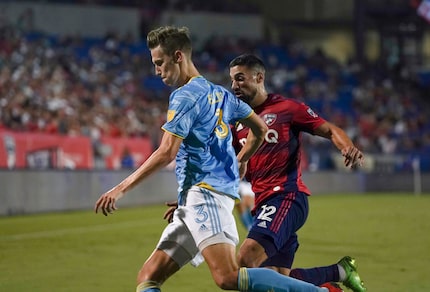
{"x": 72, "y": 85}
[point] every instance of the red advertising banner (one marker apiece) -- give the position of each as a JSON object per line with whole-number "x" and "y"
{"x": 125, "y": 152}
{"x": 38, "y": 150}
{"x": 50, "y": 151}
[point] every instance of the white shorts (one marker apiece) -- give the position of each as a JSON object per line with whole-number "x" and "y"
{"x": 206, "y": 219}
{"x": 245, "y": 189}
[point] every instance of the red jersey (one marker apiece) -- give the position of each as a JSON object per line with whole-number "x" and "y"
{"x": 275, "y": 167}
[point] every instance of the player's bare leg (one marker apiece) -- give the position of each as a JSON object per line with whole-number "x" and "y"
{"x": 155, "y": 271}
{"x": 222, "y": 264}
{"x": 227, "y": 275}
{"x": 251, "y": 254}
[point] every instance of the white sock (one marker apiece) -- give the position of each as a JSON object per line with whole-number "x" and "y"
{"x": 342, "y": 273}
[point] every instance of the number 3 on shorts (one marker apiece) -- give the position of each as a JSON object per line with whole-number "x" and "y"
{"x": 201, "y": 213}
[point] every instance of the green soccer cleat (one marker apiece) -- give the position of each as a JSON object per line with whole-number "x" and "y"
{"x": 352, "y": 280}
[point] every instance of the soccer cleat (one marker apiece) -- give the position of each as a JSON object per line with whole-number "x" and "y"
{"x": 332, "y": 287}
{"x": 352, "y": 280}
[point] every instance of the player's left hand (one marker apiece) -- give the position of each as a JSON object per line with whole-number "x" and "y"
{"x": 107, "y": 202}
{"x": 353, "y": 156}
{"x": 168, "y": 215}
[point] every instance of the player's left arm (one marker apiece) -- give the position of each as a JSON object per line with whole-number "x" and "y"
{"x": 353, "y": 156}
{"x": 255, "y": 138}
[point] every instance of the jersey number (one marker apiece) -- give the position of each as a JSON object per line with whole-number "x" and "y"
{"x": 266, "y": 213}
{"x": 221, "y": 129}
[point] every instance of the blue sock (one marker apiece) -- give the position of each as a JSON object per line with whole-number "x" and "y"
{"x": 246, "y": 219}
{"x": 318, "y": 275}
{"x": 263, "y": 280}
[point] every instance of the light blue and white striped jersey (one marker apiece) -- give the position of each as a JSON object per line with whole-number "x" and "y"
{"x": 200, "y": 113}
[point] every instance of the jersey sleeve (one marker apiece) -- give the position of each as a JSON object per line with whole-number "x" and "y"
{"x": 241, "y": 111}
{"x": 306, "y": 119}
{"x": 180, "y": 115}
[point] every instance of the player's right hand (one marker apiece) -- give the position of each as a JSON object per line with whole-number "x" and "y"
{"x": 168, "y": 215}
{"x": 352, "y": 157}
{"x": 107, "y": 202}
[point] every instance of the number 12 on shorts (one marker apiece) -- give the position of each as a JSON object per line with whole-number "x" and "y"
{"x": 266, "y": 212}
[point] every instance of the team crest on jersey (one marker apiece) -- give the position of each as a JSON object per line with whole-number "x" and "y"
{"x": 312, "y": 113}
{"x": 170, "y": 115}
{"x": 269, "y": 119}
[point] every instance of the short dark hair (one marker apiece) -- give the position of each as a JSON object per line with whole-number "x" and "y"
{"x": 170, "y": 39}
{"x": 250, "y": 61}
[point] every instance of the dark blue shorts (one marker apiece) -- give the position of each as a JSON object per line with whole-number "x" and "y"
{"x": 275, "y": 225}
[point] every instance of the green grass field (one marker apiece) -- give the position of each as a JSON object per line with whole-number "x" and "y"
{"x": 389, "y": 235}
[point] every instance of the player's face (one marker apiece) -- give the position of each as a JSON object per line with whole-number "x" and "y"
{"x": 165, "y": 67}
{"x": 244, "y": 83}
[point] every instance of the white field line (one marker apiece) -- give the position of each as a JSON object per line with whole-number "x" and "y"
{"x": 77, "y": 230}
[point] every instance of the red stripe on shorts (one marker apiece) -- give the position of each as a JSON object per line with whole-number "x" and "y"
{"x": 282, "y": 212}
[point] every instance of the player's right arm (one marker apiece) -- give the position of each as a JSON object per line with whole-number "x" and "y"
{"x": 353, "y": 156}
{"x": 309, "y": 121}
{"x": 255, "y": 138}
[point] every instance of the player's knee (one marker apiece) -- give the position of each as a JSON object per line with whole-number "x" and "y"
{"x": 142, "y": 276}
{"x": 148, "y": 274}
{"x": 226, "y": 281}
{"x": 251, "y": 255}
{"x": 280, "y": 270}
{"x": 248, "y": 258}
{"x": 245, "y": 261}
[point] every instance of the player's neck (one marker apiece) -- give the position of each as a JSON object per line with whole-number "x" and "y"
{"x": 259, "y": 99}
{"x": 189, "y": 71}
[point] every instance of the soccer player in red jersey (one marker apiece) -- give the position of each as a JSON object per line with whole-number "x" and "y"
{"x": 281, "y": 197}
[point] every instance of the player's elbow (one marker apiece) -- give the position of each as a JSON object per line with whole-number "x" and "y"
{"x": 169, "y": 157}
{"x": 257, "y": 126}
{"x": 165, "y": 155}
{"x": 261, "y": 131}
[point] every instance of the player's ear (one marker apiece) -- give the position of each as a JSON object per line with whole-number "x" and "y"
{"x": 260, "y": 77}
{"x": 177, "y": 56}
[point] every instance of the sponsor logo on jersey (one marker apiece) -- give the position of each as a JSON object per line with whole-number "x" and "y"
{"x": 312, "y": 113}
{"x": 271, "y": 136}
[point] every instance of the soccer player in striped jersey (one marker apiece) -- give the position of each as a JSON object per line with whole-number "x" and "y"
{"x": 198, "y": 135}
{"x": 274, "y": 171}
